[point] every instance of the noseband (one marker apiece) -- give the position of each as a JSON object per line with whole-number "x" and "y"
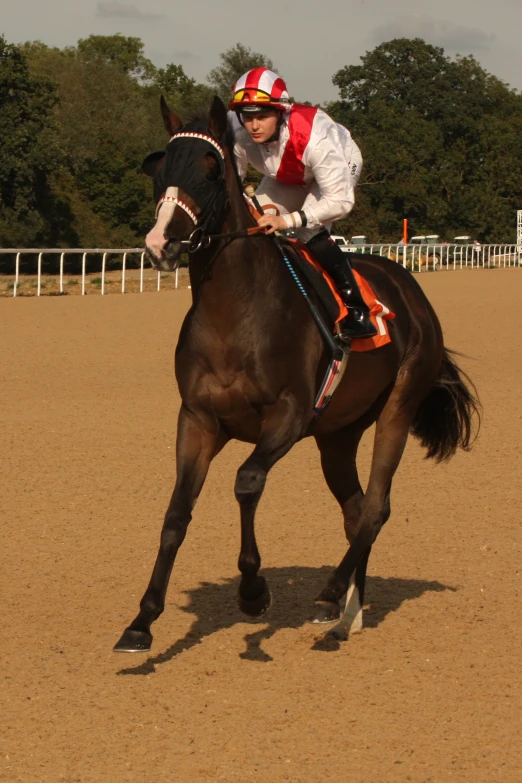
{"x": 200, "y": 238}
{"x": 212, "y": 206}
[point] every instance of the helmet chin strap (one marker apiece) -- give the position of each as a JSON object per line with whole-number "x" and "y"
{"x": 277, "y": 132}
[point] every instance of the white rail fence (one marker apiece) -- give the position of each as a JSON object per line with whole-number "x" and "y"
{"x": 417, "y": 258}
{"x": 420, "y": 258}
{"x": 123, "y": 253}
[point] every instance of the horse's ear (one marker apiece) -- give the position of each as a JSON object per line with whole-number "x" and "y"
{"x": 171, "y": 121}
{"x": 218, "y": 119}
{"x": 152, "y": 163}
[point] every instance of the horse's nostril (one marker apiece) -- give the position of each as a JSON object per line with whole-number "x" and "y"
{"x": 170, "y": 255}
{"x": 173, "y": 246}
{"x": 154, "y": 260}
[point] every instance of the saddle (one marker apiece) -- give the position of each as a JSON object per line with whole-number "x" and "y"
{"x": 320, "y": 281}
{"x": 309, "y": 270}
{"x": 304, "y": 267}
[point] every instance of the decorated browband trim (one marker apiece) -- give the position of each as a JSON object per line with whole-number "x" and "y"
{"x": 202, "y": 136}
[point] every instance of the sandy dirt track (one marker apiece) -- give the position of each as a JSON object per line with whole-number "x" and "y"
{"x": 429, "y": 692}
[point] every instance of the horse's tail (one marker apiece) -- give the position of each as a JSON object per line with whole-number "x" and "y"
{"x": 444, "y": 420}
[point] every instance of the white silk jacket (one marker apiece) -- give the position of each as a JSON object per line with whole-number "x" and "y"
{"x": 312, "y": 152}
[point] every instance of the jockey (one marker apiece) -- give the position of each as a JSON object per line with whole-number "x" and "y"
{"x": 311, "y": 166}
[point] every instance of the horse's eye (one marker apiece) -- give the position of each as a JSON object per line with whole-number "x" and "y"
{"x": 210, "y": 167}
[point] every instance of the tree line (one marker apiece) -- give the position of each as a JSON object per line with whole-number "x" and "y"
{"x": 441, "y": 140}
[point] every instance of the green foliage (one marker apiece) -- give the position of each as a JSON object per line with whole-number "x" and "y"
{"x": 124, "y": 52}
{"x": 76, "y": 133}
{"x": 29, "y": 151}
{"x": 234, "y": 63}
{"x": 432, "y": 131}
{"x": 105, "y": 128}
{"x": 183, "y": 94}
{"x": 441, "y": 139}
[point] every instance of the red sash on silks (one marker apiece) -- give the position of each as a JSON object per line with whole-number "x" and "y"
{"x": 291, "y": 169}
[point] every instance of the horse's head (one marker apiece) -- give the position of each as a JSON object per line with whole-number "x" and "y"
{"x": 189, "y": 183}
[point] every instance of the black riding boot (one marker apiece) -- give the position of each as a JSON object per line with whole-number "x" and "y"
{"x": 357, "y": 323}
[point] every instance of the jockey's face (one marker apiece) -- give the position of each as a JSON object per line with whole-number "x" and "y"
{"x": 260, "y": 126}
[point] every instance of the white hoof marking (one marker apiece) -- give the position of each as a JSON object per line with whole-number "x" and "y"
{"x": 352, "y": 616}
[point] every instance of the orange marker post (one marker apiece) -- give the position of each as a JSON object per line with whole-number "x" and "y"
{"x": 405, "y": 231}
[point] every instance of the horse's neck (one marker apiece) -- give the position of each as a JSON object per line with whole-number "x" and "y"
{"x": 229, "y": 274}
{"x": 238, "y": 216}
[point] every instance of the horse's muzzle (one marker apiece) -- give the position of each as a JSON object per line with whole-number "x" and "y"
{"x": 170, "y": 256}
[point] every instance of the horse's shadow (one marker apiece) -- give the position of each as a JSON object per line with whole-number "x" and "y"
{"x": 293, "y": 591}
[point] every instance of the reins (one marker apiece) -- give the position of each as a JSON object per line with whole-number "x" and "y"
{"x": 198, "y": 240}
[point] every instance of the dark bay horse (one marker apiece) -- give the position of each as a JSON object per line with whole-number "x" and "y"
{"x": 249, "y": 362}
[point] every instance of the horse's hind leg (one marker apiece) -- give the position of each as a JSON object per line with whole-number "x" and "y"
{"x": 282, "y": 427}
{"x": 352, "y": 617}
{"x": 390, "y": 439}
{"x": 196, "y": 445}
{"x": 338, "y": 460}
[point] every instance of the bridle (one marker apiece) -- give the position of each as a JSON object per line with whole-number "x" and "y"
{"x": 201, "y": 238}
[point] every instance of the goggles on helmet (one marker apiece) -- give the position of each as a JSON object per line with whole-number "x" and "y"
{"x": 258, "y": 90}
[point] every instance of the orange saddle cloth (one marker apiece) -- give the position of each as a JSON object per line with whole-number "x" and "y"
{"x": 379, "y": 313}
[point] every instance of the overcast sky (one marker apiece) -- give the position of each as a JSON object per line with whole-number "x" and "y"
{"x": 308, "y": 41}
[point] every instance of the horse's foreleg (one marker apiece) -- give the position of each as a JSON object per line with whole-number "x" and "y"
{"x": 390, "y": 439}
{"x": 197, "y": 443}
{"x": 282, "y": 427}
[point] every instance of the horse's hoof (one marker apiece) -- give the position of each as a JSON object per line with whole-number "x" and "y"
{"x": 326, "y": 612}
{"x": 258, "y": 606}
{"x": 340, "y": 633}
{"x": 134, "y": 642}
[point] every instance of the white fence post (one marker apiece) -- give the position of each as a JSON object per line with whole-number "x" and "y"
{"x": 473, "y": 256}
{"x": 39, "y": 284}
{"x": 123, "y": 264}
{"x": 17, "y": 273}
{"x": 62, "y": 255}
{"x": 84, "y": 260}
{"x": 411, "y": 256}
{"x": 104, "y": 264}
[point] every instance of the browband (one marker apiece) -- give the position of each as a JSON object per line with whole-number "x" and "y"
{"x": 202, "y": 136}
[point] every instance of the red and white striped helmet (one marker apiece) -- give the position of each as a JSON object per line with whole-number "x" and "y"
{"x": 260, "y": 89}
